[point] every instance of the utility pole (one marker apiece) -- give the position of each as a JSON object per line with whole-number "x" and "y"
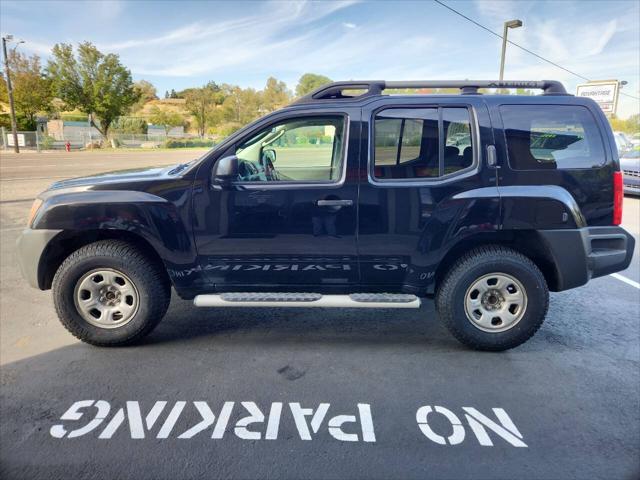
{"x": 507, "y": 26}
{"x": 14, "y": 128}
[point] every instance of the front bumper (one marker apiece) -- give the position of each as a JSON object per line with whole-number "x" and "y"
{"x": 30, "y": 245}
{"x": 632, "y": 189}
{"x": 585, "y": 253}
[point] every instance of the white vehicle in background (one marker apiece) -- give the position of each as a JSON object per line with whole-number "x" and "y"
{"x": 631, "y": 140}
{"x": 622, "y": 142}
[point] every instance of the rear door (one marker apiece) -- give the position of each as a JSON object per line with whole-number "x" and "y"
{"x": 420, "y": 156}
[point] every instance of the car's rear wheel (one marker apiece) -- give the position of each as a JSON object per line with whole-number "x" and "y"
{"x": 494, "y": 299}
{"x": 109, "y": 293}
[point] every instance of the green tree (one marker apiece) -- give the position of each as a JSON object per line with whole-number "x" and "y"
{"x": 309, "y": 82}
{"x": 167, "y": 118}
{"x": 201, "y": 102}
{"x": 92, "y": 82}
{"x": 275, "y": 95}
{"x": 242, "y": 105}
{"x": 146, "y": 92}
{"x": 630, "y": 125}
{"x": 32, "y": 91}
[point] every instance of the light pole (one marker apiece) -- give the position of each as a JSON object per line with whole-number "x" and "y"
{"x": 507, "y": 25}
{"x": 12, "y": 108}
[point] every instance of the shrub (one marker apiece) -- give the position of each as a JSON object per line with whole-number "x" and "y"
{"x": 189, "y": 142}
{"x": 93, "y": 145}
{"x": 46, "y": 142}
{"x": 74, "y": 117}
{"x": 129, "y": 125}
{"x": 5, "y": 121}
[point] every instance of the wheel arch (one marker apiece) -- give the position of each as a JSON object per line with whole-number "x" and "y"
{"x": 67, "y": 242}
{"x": 527, "y": 242}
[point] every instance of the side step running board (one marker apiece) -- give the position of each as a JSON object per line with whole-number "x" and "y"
{"x": 308, "y": 300}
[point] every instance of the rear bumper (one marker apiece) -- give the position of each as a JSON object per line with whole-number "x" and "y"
{"x": 585, "y": 253}
{"x": 30, "y": 245}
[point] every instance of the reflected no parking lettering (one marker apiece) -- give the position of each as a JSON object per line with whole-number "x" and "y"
{"x": 162, "y": 421}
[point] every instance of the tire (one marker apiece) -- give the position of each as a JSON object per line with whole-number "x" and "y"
{"x": 146, "y": 297}
{"x": 457, "y": 298}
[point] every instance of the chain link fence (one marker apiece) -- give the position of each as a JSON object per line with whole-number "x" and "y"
{"x": 38, "y": 141}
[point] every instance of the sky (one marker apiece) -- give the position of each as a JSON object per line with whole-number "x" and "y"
{"x": 180, "y": 44}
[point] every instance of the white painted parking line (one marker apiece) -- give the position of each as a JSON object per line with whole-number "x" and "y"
{"x": 626, "y": 280}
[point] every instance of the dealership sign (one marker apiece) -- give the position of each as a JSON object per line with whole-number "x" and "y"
{"x": 604, "y": 93}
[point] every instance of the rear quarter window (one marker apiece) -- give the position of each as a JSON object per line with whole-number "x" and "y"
{"x": 550, "y": 137}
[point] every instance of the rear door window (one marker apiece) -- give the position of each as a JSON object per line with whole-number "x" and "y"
{"x": 550, "y": 137}
{"x": 422, "y": 143}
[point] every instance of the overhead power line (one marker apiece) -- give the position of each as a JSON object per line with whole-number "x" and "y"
{"x": 439, "y": 2}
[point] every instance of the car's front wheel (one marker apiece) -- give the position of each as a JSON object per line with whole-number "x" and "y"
{"x": 494, "y": 299}
{"x": 109, "y": 293}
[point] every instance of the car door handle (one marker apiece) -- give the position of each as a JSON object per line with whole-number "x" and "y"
{"x": 334, "y": 203}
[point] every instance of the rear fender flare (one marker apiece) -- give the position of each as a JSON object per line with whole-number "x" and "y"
{"x": 532, "y": 206}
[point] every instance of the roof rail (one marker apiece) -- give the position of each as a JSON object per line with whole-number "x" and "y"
{"x": 335, "y": 90}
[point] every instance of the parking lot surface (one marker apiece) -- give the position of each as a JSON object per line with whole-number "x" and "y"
{"x": 302, "y": 393}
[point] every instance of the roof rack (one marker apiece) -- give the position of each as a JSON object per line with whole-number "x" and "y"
{"x": 335, "y": 90}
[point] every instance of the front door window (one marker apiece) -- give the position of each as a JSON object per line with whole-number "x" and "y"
{"x": 297, "y": 150}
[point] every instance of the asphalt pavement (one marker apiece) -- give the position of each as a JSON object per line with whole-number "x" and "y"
{"x": 307, "y": 393}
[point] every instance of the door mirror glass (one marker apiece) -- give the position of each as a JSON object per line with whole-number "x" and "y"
{"x": 269, "y": 155}
{"x": 225, "y": 171}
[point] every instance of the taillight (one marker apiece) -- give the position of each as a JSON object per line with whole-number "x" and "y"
{"x": 618, "y": 196}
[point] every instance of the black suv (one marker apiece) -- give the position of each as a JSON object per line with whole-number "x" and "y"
{"x": 350, "y": 197}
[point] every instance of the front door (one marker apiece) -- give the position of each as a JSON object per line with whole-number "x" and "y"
{"x": 290, "y": 217}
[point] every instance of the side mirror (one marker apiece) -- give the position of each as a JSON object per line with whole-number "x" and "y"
{"x": 269, "y": 154}
{"x": 224, "y": 172}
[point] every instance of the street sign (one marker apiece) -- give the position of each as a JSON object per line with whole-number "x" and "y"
{"x": 604, "y": 93}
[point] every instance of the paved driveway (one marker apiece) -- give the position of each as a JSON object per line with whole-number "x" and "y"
{"x": 288, "y": 393}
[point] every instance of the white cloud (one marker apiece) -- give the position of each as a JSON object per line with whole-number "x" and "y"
{"x": 604, "y": 37}
{"x": 287, "y": 39}
{"x": 104, "y": 9}
{"x": 42, "y": 49}
{"x": 277, "y": 31}
{"x": 501, "y": 10}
